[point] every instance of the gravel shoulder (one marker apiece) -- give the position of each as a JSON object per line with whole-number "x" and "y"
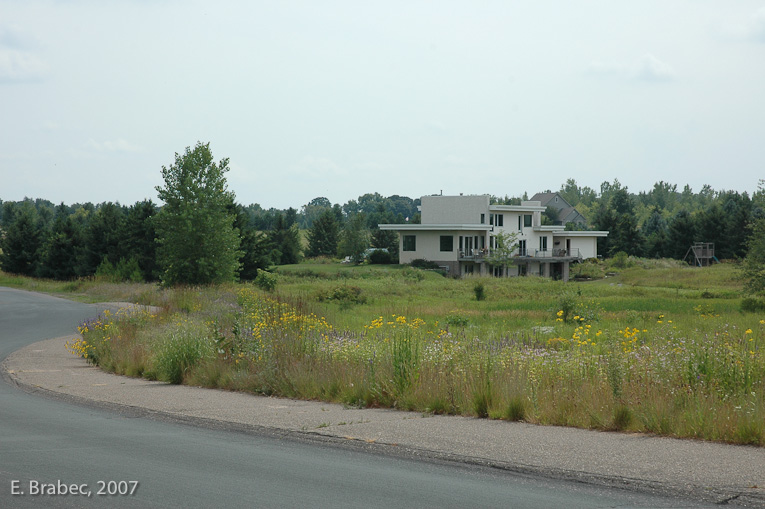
{"x": 711, "y": 472}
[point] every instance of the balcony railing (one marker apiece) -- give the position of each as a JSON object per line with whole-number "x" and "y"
{"x": 480, "y": 255}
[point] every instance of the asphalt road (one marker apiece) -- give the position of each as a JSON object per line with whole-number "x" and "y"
{"x": 55, "y": 442}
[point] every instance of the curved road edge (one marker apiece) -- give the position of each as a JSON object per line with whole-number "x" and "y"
{"x": 704, "y": 471}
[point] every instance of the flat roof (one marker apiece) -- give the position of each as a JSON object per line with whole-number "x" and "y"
{"x": 439, "y": 227}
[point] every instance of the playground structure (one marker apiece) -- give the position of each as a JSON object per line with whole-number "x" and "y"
{"x": 703, "y": 253}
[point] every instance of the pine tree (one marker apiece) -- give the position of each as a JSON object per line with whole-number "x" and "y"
{"x": 323, "y": 235}
{"x": 21, "y": 245}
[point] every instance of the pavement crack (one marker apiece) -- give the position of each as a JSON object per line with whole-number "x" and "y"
{"x": 728, "y": 500}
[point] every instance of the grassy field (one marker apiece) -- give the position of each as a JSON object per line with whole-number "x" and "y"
{"x": 656, "y": 347}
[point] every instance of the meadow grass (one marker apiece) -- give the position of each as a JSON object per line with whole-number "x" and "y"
{"x": 654, "y": 349}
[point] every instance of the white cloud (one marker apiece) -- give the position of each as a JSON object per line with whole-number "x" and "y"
{"x": 18, "y": 59}
{"x": 757, "y": 26}
{"x": 118, "y": 145}
{"x": 318, "y": 168}
{"x": 752, "y": 29}
{"x": 650, "y": 68}
{"x": 647, "y": 68}
{"x": 19, "y": 66}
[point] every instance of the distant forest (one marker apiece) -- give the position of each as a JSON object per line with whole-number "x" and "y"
{"x": 42, "y": 239}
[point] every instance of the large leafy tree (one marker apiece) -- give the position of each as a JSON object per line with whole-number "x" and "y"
{"x": 197, "y": 241}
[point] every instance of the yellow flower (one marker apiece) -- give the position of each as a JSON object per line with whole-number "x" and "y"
{"x": 748, "y": 331}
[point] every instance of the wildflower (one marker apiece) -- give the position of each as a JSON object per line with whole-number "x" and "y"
{"x": 748, "y": 331}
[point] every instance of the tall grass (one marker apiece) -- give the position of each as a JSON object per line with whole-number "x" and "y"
{"x": 665, "y": 360}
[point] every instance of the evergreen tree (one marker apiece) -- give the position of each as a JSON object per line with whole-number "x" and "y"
{"x": 681, "y": 233}
{"x": 197, "y": 241}
{"x": 64, "y": 250}
{"x": 323, "y": 235}
{"x": 626, "y": 237}
{"x": 284, "y": 242}
{"x": 354, "y": 239}
{"x": 710, "y": 227}
{"x": 753, "y": 266}
{"x": 605, "y": 220}
{"x": 255, "y": 248}
{"x": 104, "y": 236}
{"x": 140, "y": 241}
{"x": 655, "y": 232}
{"x": 22, "y": 243}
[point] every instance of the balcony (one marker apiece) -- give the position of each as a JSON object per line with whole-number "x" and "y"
{"x": 480, "y": 255}
{"x": 562, "y": 254}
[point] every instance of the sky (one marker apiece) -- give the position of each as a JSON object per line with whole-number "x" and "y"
{"x": 341, "y": 98}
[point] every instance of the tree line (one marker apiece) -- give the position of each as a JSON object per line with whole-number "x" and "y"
{"x": 200, "y": 234}
{"x": 202, "y": 228}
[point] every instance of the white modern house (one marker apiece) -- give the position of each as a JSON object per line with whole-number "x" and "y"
{"x": 459, "y": 233}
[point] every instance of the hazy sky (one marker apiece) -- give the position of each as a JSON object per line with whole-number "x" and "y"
{"x": 342, "y": 98}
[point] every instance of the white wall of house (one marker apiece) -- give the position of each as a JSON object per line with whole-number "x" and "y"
{"x": 454, "y": 209}
{"x": 428, "y": 246}
{"x": 472, "y": 217}
{"x": 588, "y": 246}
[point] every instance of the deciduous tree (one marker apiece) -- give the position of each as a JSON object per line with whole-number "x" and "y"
{"x": 198, "y": 243}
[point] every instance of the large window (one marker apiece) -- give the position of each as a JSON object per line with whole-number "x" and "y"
{"x": 543, "y": 243}
{"x": 499, "y": 220}
{"x": 410, "y": 243}
{"x": 527, "y": 220}
{"x": 447, "y": 243}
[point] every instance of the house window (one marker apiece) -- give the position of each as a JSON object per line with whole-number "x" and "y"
{"x": 447, "y": 243}
{"x": 543, "y": 243}
{"x": 410, "y": 243}
{"x": 522, "y": 270}
{"x": 483, "y": 218}
{"x": 527, "y": 220}
{"x": 499, "y": 220}
{"x": 519, "y": 223}
{"x": 491, "y": 219}
{"x": 521, "y": 248}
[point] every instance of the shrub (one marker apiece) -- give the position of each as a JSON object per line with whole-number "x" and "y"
{"x": 265, "y": 280}
{"x": 621, "y": 260}
{"x": 412, "y": 274}
{"x": 480, "y": 292}
{"x": 752, "y": 305}
{"x": 456, "y": 320}
{"x": 421, "y": 263}
{"x": 344, "y": 294}
{"x": 125, "y": 270}
{"x": 380, "y": 257}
